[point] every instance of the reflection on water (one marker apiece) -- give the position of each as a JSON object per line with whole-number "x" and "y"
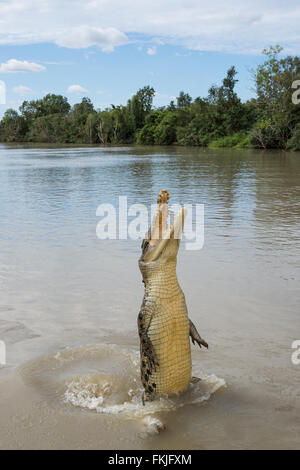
{"x": 62, "y": 287}
{"x": 237, "y": 187}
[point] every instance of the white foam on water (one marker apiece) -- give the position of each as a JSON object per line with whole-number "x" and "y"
{"x": 153, "y": 425}
{"x": 95, "y": 393}
{"x": 106, "y": 379}
{"x": 87, "y": 392}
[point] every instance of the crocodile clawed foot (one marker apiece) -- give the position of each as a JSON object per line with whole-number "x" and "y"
{"x": 196, "y": 337}
{"x": 201, "y": 342}
{"x": 195, "y": 380}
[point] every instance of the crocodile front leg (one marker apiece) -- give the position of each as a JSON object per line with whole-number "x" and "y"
{"x": 196, "y": 337}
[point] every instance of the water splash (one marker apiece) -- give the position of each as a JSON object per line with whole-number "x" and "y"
{"x": 105, "y": 379}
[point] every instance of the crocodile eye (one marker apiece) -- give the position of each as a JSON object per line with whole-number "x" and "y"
{"x": 154, "y": 385}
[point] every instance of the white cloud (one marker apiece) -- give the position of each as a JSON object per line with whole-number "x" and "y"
{"x": 86, "y": 36}
{"x": 151, "y": 50}
{"x": 22, "y": 90}
{"x": 78, "y": 89}
{"x": 15, "y": 66}
{"x": 241, "y": 27}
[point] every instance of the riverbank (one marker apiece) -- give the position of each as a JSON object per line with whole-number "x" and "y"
{"x": 270, "y": 120}
{"x": 221, "y": 144}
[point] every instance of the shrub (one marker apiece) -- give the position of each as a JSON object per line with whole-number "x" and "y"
{"x": 294, "y": 141}
{"x": 238, "y": 140}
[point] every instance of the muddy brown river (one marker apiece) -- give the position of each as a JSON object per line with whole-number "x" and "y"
{"x": 69, "y": 301}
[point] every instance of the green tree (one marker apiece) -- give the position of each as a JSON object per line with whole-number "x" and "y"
{"x": 53, "y": 128}
{"x": 106, "y": 127}
{"x": 12, "y": 127}
{"x": 183, "y": 100}
{"x": 83, "y": 109}
{"x": 91, "y": 128}
{"x": 229, "y": 114}
{"x": 50, "y": 104}
{"x": 165, "y": 131}
{"x": 294, "y": 141}
{"x": 146, "y": 135}
{"x": 140, "y": 105}
{"x": 80, "y": 120}
{"x": 221, "y": 119}
{"x": 277, "y": 114}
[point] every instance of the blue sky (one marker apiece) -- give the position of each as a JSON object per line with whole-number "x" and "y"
{"x": 108, "y": 49}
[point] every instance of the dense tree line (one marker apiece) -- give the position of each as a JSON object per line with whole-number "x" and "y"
{"x": 220, "y": 119}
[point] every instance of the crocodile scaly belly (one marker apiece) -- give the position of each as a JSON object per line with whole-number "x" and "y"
{"x": 169, "y": 334}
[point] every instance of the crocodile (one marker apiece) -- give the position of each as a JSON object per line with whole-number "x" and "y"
{"x": 163, "y": 324}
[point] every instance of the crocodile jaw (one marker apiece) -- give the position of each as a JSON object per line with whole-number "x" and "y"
{"x": 174, "y": 232}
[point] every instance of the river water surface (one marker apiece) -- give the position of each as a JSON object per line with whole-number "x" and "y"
{"x": 69, "y": 301}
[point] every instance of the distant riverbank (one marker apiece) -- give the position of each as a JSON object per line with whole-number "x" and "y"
{"x": 222, "y": 143}
{"x": 271, "y": 120}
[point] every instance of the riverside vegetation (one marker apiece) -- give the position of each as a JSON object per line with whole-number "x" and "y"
{"x": 271, "y": 120}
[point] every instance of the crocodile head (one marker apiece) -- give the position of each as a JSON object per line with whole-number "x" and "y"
{"x": 162, "y": 242}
